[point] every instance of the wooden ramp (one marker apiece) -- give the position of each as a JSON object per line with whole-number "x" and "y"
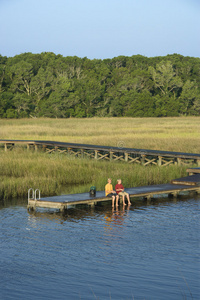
{"x": 63, "y": 202}
{"x": 189, "y": 180}
{"x": 193, "y": 171}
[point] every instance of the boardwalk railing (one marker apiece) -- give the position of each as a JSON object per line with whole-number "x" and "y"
{"x": 143, "y": 157}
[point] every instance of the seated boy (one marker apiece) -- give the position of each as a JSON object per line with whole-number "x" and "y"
{"x": 120, "y": 191}
{"x": 111, "y": 193}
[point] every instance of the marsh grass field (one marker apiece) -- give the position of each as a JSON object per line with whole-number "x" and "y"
{"x": 54, "y": 173}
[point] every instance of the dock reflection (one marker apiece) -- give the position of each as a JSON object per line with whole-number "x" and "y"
{"x": 76, "y": 214}
{"x": 112, "y": 217}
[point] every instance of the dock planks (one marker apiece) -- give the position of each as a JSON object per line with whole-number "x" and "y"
{"x": 188, "y": 180}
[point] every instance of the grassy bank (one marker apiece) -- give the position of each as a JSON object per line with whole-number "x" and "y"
{"x": 20, "y": 170}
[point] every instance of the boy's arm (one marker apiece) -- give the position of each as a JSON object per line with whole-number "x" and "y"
{"x": 117, "y": 188}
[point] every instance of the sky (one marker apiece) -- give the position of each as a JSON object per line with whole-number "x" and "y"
{"x": 100, "y": 29}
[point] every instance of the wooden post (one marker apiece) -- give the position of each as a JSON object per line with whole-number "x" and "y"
{"x": 96, "y": 154}
{"x": 111, "y": 155}
{"x": 30, "y": 208}
{"x": 62, "y": 209}
{"x": 148, "y": 198}
{"x": 36, "y": 147}
{"x": 120, "y": 199}
{"x": 179, "y": 161}
{"x": 28, "y": 146}
{"x": 159, "y": 161}
{"x": 143, "y": 159}
{"x": 7, "y": 146}
{"x": 175, "y": 194}
{"x": 68, "y": 150}
{"x": 82, "y": 153}
{"x": 126, "y": 156}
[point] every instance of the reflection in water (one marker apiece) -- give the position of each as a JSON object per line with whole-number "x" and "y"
{"x": 111, "y": 215}
{"x": 114, "y": 224}
{"x": 136, "y": 252}
{"x": 12, "y": 202}
{"x": 116, "y": 216}
{"x": 75, "y": 214}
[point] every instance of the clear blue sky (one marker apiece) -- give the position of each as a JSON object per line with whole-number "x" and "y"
{"x": 100, "y": 28}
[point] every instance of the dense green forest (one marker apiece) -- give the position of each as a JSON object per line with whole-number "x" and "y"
{"x": 49, "y": 85}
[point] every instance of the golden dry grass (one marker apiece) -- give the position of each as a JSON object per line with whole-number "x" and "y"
{"x": 172, "y": 134}
{"x": 20, "y": 170}
{"x": 55, "y": 173}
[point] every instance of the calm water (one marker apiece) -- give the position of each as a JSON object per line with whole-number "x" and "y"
{"x": 146, "y": 252}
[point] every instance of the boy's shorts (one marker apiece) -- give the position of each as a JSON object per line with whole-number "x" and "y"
{"x": 123, "y": 194}
{"x": 111, "y": 195}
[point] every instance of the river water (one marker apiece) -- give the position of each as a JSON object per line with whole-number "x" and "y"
{"x": 145, "y": 252}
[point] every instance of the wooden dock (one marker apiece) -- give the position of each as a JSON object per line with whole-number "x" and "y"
{"x": 143, "y": 157}
{"x": 189, "y": 180}
{"x": 174, "y": 188}
{"x": 192, "y": 171}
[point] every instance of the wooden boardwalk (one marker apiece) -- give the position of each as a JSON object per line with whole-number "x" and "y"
{"x": 143, "y": 157}
{"x": 189, "y": 180}
{"x": 65, "y": 201}
{"x": 193, "y": 171}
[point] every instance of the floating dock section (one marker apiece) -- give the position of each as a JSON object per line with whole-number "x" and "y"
{"x": 189, "y": 180}
{"x": 186, "y": 184}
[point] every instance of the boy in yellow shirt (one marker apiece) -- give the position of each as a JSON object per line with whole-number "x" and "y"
{"x": 111, "y": 193}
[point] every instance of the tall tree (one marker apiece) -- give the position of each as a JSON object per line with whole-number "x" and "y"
{"x": 165, "y": 78}
{"x": 189, "y": 97}
{"x": 41, "y": 85}
{"x": 21, "y": 75}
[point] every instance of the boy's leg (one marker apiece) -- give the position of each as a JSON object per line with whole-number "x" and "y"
{"x": 113, "y": 201}
{"x": 123, "y": 197}
{"x": 117, "y": 198}
{"x": 128, "y": 198}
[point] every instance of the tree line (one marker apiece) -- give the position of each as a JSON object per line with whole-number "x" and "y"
{"x": 49, "y": 85}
